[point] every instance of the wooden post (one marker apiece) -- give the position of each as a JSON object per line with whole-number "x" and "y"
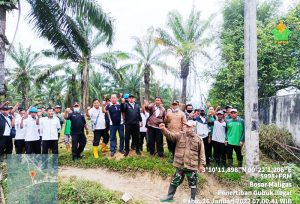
{"x": 251, "y": 89}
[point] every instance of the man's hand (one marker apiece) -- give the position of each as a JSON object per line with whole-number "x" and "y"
{"x": 201, "y": 169}
{"x": 162, "y": 126}
{"x": 226, "y": 142}
{"x": 241, "y": 144}
{"x": 68, "y": 110}
{"x": 122, "y": 100}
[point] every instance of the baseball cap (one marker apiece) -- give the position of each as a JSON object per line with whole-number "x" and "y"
{"x": 220, "y": 112}
{"x": 131, "y": 96}
{"x": 5, "y": 108}
{"x": 126, "y": 96}
{"x": 175, "y": 102}
{"x": 33, "y": 110}
{"x": 229, "y": 106}
{"x": 190, "y": 123}
{"x": 234, "y": 110}
{"x": 57, "y": 106}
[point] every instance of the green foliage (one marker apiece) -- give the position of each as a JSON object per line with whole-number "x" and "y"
{"x": 229, "y": 177}
{"x": 8, "y": 4}
{"x": 130, "y": 164}
{"x": 273, "y": 143}
{"x": 81, "y": 191}
{"x": 278, "y": 65}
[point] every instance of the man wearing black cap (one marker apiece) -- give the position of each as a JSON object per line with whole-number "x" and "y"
{"x": 133, "y": 121}
{"x": 78, "y": 124}
{"x": 6, "y": 123}
{"x": 174, "y": 120}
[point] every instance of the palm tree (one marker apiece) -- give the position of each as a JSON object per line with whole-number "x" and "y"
{"x": 100, "y": 85}
{"x": 4, "y": 7}
{"x": 26, "y": 69}
{"x": 187, "y": 41}
{"x": 147, "y": 55}
{"x": 52, "y": 19}
{"x": 89, "y": 40}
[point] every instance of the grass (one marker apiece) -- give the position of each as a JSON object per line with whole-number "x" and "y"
{"x": 73, "y": 191}
{"x": 131, "y": 164}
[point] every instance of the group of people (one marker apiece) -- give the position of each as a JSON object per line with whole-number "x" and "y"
{"x": 195, "y": 137}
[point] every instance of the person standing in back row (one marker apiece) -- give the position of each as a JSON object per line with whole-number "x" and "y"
{"x": 97, "y": 116}
{"x": 235, "y": 137}
{"x": 157, "y": 115}
{"x": 6, "y": 123}
{"x": 133, "y": 121}
{"x": 175, "y": 120}
{"x": 78, "y": 124}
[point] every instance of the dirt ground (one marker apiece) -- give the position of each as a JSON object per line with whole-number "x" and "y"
{"x": 144, "y": 186}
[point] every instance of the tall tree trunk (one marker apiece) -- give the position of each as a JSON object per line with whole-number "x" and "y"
{"x": 2, "y": 49}
{"x": 24, "y": 96}
{"x": 251, "y": 90}
{"x": 85, "y": 84}
{"x": 147, "y": 82}
{"x": 184, "y": 73}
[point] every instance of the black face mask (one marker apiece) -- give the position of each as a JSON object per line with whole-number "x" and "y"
{"x": 189, "y": 111}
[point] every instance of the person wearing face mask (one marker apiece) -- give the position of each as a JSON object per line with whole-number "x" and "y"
{"x": 174, "y": 120}
{"x": 203, "y": 131}
{"x": 189, "y": 159}
{"x": 189, "y": 113}
{"x": 78, "y": 124}
{"x": 30, "y": 125}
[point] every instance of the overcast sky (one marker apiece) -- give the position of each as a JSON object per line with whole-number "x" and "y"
{"x": 132, "y": 18}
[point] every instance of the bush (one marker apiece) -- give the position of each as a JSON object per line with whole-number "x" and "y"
{"x": 277, "y": 143}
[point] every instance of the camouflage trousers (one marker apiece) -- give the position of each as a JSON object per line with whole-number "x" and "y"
{"x": 191, "y": 175}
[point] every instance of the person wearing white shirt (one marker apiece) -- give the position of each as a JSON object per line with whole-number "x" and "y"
{"x": 49, "y": 129}
{"x": 203, "y": 131}
{"x": 97, "y": 116}
{"x": 143, "y": 129}
{"x": 20, "y": 133}
{"x": 31, "y": 132}
{"x": 6, "y": 122}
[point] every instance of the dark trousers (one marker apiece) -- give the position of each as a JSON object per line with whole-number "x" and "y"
{"x": 78, "y": 144}
{"x": 33, "y": 147}
{"x": 134, "y": 132}
{"x": 20, "y": 146}
{"x": 207, "y": 148}
{"x": 6, "y": 145}
{"x": 238, "y": 151}
{"x": 143, "y": 136}
{"x": 219, "y": 152}
{"x": 171, "y": 147}
{"x": 97, "y": 137}
{"x": 50, "y": 144}
{"x": 155, "y": 136}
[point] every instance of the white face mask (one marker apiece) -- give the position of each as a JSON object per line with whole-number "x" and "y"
{"x": 76, "y": 110}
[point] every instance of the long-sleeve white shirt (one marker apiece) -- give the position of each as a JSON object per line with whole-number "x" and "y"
{"x": 49, "y": 128}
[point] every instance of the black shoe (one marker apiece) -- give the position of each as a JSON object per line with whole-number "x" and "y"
{"x": 126, "y": 154}
{"x": 81, "y": 156}
{"x": 74, "y": 158}
{"x": 138, "y": 152}
{"x": 112, "y": 154}
{"x": 122, "y": 151}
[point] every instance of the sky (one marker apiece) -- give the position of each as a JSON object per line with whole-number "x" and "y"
{"x": 132, "y": 18}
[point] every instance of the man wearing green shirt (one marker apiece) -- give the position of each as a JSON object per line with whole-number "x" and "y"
{"x": 235, "y": 137}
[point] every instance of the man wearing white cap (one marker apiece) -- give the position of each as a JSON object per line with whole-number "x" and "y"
{"x": 189, "y": 158}
{"x": 235, "y": 137}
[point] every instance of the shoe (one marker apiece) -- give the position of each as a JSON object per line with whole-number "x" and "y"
{"x": 80, "y": 156}
{"x": 95, "y": 152}
{"x": 74, "y": 158}
{"x": 104, "y": 147}
{"x": 138, "y": 152}
{"x": 126, "y": 154}
{"x": 170, "y": 196}
{"x": 112, "y": 154}
{"x": 122, "y": 151}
